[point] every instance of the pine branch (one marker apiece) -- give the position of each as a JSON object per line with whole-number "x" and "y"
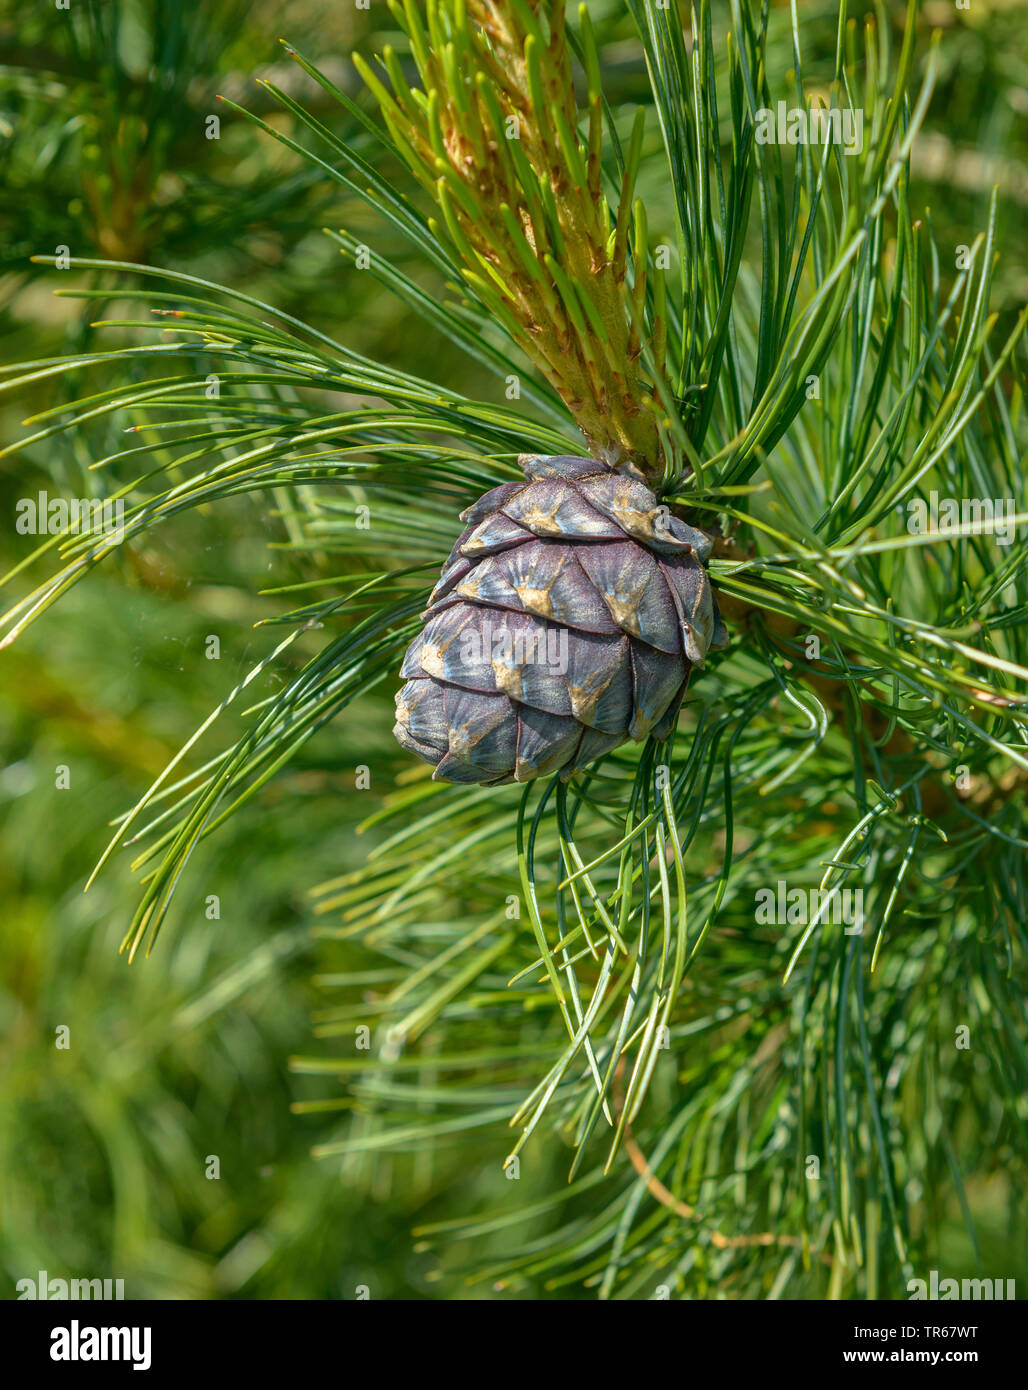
{"x": 744, "y": 1047}
{"x": 492, "y": 134}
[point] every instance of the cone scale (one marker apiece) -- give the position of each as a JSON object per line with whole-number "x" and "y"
{"x": 565, "y": 622}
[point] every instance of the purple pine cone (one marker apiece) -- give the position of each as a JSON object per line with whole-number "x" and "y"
{"x": 566, "y": 620}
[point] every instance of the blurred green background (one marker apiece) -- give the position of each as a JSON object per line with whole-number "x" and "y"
{"x": 104, "y": 1144}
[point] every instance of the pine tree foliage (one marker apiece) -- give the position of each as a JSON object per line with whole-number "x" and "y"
{"x": 106, "y": 107}
{"x": 744, "y": 1105}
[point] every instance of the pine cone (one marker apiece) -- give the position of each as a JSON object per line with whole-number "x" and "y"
{"x": 566, "y": 620}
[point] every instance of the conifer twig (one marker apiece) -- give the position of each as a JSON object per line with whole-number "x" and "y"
{"x": 493, "y": 136}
